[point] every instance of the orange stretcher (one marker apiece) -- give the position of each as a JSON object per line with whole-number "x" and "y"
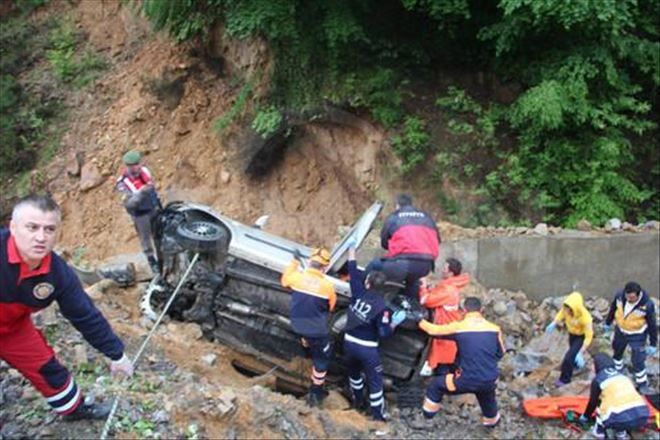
{"x": 559, "y": 408}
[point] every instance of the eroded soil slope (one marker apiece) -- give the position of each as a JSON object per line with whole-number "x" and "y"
{"x": 163, "y": 99}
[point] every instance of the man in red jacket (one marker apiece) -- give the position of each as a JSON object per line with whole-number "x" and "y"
{"x": 31, "y": 278}
{"x": 444, "y": 299}
{"x": 412, "y": 241}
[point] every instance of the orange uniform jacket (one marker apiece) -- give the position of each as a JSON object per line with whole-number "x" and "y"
{"x": 444, "y": 299}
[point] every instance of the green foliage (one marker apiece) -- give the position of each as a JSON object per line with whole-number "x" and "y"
{"x": 236, "y": 109}
{"x": 24, "y": 116}
{"x": 183, "y": 18}
{"x": 27, "y": 6}
{"x": 412, "y": 144}
{"x": 267, "y": 120}
{"x": 458, "y": 101}
{"x": 579, "y": 133}
{"x": 68, "y": 66}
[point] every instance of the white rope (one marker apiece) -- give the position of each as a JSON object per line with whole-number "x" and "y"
{"x": 108, "y": 422}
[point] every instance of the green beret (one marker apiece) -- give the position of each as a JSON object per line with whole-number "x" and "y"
{"x": 132, "y": 157}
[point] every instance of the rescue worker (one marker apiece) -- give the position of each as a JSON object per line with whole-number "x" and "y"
{"x": 312, "y": 299}
{"x": 580, "y": 334}
{"x": 479, "y": 348}
{"x": 412, "y": 241}
{"x": 140, "y": 201}
{"x": 444, "y": 299}
{"x": 617, "y": 404}
{"x": 368, "y": 321}
{"x": 634, "y": 314}
{"x": 31, "y": 278}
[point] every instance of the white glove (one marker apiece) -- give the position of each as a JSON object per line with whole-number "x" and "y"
{"x": 122, "y": 366}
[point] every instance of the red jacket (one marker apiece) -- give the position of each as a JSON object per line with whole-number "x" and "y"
{"x": 444, "y": 299}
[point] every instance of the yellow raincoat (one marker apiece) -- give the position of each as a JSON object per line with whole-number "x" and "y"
{"x": 581, "y": 322}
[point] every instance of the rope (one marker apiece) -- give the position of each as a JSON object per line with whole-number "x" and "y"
{"x": 113, "y": 410}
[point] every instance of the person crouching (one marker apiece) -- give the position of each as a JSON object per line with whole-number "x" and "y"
{"x": 617, "y": 404}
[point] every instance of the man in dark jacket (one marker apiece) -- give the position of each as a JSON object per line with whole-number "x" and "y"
{"x": 412, "y": 241}
{"x": 617, "y": 404}
{"x": 31, "y": 278}
{"x": 634, "y": 314}
{"x": 368, "y": 321}
{"x": 140, "y": 201}
{"x": 480, "y": 346}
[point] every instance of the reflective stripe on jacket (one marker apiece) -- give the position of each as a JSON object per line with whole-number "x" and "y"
{"x": 479, "y": 342}
{"x": 639, "y": 320}
{"x": 312, "y": 298}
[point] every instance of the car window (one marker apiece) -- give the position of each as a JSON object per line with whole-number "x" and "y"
{"x": 358, "y": 231}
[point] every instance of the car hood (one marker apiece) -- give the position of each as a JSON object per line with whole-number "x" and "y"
{"x": 358, "y": 232}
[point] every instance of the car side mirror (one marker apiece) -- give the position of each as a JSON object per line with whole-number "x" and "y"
{"x": 261, "y": 222}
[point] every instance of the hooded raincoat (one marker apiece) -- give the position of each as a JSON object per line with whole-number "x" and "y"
{"x": 580, "y": 324}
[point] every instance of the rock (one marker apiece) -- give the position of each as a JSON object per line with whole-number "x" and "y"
{"x": 73, "y": 163}
{"x": 123, "y": 274}
{"x": 613, "y": 224}
{"x": 90, "y": 177}
{"x": 98, "y": 290}
{"x": 225, "y": 177}
{"x": 160, "y": 416}
{"x": 583, "y": 225}
{"x": 182, "y": 124}
{"x": 500, "y": 308}
{"x": 209, "y": 359}
{"x": 602, "y": 305}
{"x": 628, "y": 227}
{"x": 652, "y": 225}
{"x": 226, "y": 402}
{"x": 80, "y": 355}
{"x": 541, "y": 229}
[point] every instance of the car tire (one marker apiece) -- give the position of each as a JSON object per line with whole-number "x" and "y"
{"x": 201, "y": 236}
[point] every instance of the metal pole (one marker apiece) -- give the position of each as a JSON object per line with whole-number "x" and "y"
{"x": 113, "y": 410}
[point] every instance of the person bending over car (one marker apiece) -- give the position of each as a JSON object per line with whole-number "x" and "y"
{"x": 312, "y": 299}
{"x": 369, "y": 320}
{"x": 412, "y": 241}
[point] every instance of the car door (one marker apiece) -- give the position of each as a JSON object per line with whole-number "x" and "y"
{"x": 358, "y": 231}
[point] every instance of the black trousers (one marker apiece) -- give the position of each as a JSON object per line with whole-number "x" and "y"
{"x": 574, "y": 345}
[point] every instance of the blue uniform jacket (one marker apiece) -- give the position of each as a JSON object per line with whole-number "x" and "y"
{"x": 368, "y": 317}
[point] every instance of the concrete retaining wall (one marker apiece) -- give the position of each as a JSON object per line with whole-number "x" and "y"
{"x": 553, "y": 265}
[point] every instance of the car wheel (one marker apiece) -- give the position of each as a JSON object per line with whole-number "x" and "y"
{"x": 201, "y": 236}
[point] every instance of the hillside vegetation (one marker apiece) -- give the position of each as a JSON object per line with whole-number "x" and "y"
{"x": 510, "y": 113}
{"x": 575, "y": 141}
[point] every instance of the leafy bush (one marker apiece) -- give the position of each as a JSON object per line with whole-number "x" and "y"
{"x": 67, "y": 64}
{"x": 580, "y": 133}
{"x": 236, "y": 109}
{"x": 412, "y": 144}
{"x": 267, "y": 121}
{"x": 24, "y": 117}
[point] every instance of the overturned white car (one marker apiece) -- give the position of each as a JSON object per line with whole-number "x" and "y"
{"x": 233, "y": 292}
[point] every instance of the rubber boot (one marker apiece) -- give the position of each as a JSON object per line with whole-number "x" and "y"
{"x": 316, "y": 395}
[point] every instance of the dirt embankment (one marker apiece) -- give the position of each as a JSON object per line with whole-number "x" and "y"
{"x": 163, "y": 99}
